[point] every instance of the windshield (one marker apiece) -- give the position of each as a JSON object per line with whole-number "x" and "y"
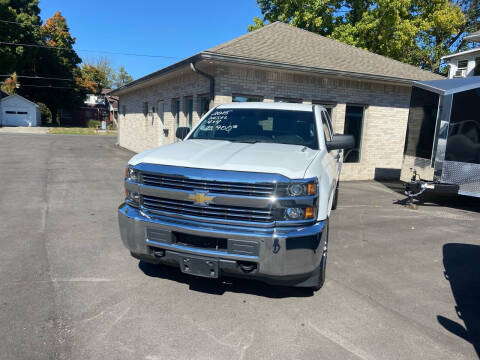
{"x": 259, "y": 125}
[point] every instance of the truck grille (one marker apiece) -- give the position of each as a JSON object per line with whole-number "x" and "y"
{"x": 220, "y": 187}
{"x": 180, "y": 207}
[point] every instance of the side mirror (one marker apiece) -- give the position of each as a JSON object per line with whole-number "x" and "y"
{"x": 182, "y": 132}
{"x": 341, "y": 142}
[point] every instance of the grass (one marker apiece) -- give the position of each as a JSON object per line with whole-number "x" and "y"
{"x": 80, "y": 131}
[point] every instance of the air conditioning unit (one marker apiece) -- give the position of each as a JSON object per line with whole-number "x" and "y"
{"x": 460, "y": 73}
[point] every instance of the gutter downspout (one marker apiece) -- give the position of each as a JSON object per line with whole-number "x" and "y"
{"x": 117, "y": 122}
{"x": 210, "y": 78}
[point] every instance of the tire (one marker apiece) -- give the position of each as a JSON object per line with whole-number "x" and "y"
{"x": 335, "y": 199}
{"x": 323, "y": 263}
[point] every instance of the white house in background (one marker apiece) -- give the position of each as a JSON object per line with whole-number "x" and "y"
{"x": 15, "y": 110}
{"x": 465, "y": 63}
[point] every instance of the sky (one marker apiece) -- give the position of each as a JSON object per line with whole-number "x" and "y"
{"x": 174, "y": 28}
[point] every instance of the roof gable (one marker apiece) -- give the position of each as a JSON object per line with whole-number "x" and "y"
{"x": 282, "y": 43}
{"x": 16, "y": 96}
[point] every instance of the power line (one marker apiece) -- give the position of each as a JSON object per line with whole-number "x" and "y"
{"x": 39, "y": 77}
{"x": 88, "y": 50}
{"x": 19, "y": 23}
{"x": 50, "y": 87}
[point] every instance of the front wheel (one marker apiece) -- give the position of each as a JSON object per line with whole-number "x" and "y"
{"x": 323, "y": 263}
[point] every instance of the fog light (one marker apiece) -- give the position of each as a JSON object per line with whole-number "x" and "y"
{"x": 132, "y": 197}
{"x": 294, "y": 213}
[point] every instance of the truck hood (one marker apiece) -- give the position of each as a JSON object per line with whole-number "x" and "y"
{"x": 289, "y": 160}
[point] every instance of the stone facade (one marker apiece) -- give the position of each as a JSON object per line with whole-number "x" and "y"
{"x": 384, "y": 122}
{"x": 139, "y": 132}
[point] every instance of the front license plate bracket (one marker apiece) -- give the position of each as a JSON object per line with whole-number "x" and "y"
{"x": 199, "y": 266}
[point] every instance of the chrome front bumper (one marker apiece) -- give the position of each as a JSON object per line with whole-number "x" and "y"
{"x": 282, "y": 253}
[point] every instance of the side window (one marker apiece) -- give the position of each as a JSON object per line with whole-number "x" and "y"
{"x": 204, "y": 104}
{"x": 145, "y": 108}
{"x": 160, "y": 110}
{"x": 189, "y": 111}
{"x": 353, "y": 126}
{"x": 476, "y": 70}
{"x": 246, "y": 98}
{"x": 326, "y": 127}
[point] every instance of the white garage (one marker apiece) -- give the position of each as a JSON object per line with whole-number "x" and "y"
{"x": 15, "y": 110}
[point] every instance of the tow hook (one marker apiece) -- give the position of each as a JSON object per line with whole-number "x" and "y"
{"x": 159, "y": 253}
{"x": 247, "y": 267}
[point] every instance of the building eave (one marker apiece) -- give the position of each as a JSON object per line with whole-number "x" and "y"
{"x": 467, "y": 52}
{"x": 154, "y": 75}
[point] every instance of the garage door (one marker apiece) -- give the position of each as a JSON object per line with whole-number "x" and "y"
{"x": 17, "y": 117}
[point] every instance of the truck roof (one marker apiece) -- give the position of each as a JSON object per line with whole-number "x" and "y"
{"x": 267, "y": 105}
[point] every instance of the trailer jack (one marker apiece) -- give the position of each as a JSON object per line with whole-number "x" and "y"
{"x": 417, "y": 186}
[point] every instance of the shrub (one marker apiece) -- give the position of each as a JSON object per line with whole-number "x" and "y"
{"x": 46, "y": 115}
{"x": 91, "y": 123}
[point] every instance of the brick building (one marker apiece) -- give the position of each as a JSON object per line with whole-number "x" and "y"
{"x": 366, "y": 94}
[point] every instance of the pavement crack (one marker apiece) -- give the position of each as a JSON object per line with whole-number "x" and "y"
{"x": 61, "y": 348}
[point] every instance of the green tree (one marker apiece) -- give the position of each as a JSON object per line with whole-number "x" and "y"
{"x": 58, "y": 59}
{"x": 415, "y": 32}
{"x": 319, "y": 16}
{"x": 122, "y": 77}
{"x": 19, "y": 58}
{"x": 418, "y": 32}
{"x": 97, "y": 75}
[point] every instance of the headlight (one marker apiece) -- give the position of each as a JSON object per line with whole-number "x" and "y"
{"x": 297, "y": 189}
{"x": 300, "y": 213}
{"x": 302, "y": 189}
{"x": 131, "y": 174}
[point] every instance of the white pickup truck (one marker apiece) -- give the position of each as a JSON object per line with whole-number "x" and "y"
{"x": 247, "y": 193}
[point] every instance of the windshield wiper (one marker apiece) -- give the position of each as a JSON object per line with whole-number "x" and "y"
{"x": 232, "y": 140}
{"x": 245, "y": 141}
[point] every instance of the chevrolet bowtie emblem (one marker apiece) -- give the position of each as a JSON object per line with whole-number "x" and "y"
{"x": 200, "y": 198}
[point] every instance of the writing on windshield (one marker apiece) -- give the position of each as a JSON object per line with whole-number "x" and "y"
{"x": 260, "y": 125}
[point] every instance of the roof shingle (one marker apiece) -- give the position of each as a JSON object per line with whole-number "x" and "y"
{"x": 285, "y": 44}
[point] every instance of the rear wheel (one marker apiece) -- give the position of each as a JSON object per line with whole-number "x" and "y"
{"x": 335, "y": 198}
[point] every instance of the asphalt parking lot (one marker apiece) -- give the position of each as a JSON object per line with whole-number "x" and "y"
{"x": 401, "y": 283}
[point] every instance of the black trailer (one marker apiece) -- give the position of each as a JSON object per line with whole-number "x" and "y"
{"x": 442, "y": 148}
